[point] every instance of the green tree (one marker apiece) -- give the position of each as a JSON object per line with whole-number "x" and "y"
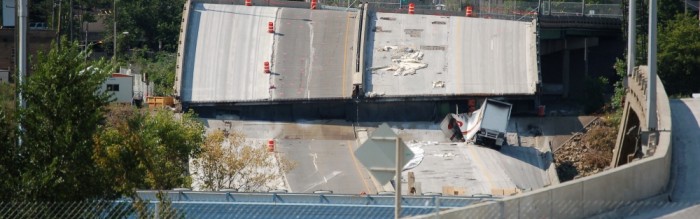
{"x": 154, "y": 24}
{"x": 144, "y": 150}
{"x": 594, "y": 97}
{"x": 667, "y": 10}
{"x": 8, "y": 160}
{"x": 64, "y": 104}
{"x": 158, "y": 69}
{"x": 679, "y": 55}
{"x": 229, "y": 162}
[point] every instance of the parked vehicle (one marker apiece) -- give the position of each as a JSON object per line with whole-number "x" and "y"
{"x": 38, "y": 26}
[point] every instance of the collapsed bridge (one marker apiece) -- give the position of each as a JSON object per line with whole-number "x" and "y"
{"x": 236, "y": 55}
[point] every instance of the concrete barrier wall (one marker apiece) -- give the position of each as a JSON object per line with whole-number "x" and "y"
{"x": 181, "y": 46}
{"x": 590, "y": 195}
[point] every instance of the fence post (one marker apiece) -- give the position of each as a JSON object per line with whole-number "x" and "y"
{"x": 156, "y": 215}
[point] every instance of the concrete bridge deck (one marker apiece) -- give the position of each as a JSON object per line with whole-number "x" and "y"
{"x": 318, "y": 55}
{"x": 310, "y": 54}
{"x": 453, "y": 56}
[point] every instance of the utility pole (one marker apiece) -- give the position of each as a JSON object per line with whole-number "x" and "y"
{"x": 651, "y": 81}
{"x": 114, "y": 56}
{"x": 70, "y": 21}
{"x": 22, "y": 13}
{"x": 58, "y": 30}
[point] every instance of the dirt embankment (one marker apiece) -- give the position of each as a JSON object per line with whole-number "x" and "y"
{"x": 588, "y": 152}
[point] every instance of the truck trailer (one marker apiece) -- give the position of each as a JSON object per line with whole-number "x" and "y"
{"x": 485, "y": 126}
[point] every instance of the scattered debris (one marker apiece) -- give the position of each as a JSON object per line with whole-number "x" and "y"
{"x": 413, "y": 32}
{"x": 405, "y": 61}
{"x": 371, "y": 94}
{"x": 534, "y": 130}
{"x": 445, "y": 155}
{"x": 416, "y": 148}
{"x": 432, "y": 47}
{"x": 388, "y": 18}
{"x": 387, "y": 48}
{"x": 379, "y": 29}
{"x": 438, "y": 84}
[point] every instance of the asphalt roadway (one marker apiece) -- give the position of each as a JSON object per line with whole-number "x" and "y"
{"x": 683, "y": 199}
{"x": 323, "y": 151}
{"x": 685, "y": 178}
{"x": 313, "y": 56}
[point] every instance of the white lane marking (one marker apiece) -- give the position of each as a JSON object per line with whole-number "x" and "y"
{"x": 325, "y": 180}
{"x": 315, "y": 156}
{"x": 311, "y": 59}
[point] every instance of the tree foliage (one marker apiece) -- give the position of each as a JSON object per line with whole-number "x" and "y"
{"x": 229, "y": 162}
{"x": 667, "y": 10}
{"x": 153, "y": 24}
{"x": 63, "y": 107}
{"x": 147, "y": 150}
{"x": 8, "y": 138}
{"x": 621, "y": 71}
{"x": 159, "y": 69}
{"x": 679, "y": 55}
{"x": 594, "y": 97}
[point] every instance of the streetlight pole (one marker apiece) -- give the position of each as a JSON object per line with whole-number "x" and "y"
{"x": 22, "y": 13}
{"x": 399, "y": 168}
{"x": 631, "y": 38}
{"x": 651, "y": 81}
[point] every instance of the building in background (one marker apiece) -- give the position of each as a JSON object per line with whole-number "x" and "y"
{"x": 121, "y": 86}
{"x": 40, "y": 41}
{"x": 4, "y": 76}
{"x": 128, "y": 86}
{"x": 8, "y": 13}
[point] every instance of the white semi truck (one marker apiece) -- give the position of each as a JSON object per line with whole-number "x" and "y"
{"x": 485, "y": 126}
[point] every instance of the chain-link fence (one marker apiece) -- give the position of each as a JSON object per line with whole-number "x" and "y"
{"x": 544, "y": 208}
{"x": 611, "y": 9}
{"x": 511, "y": 10}
{"x": 316, "y": 208}
{"x": 188, "y": 204}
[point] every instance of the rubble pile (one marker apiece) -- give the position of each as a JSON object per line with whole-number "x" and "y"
{"x": 586, "y": 153}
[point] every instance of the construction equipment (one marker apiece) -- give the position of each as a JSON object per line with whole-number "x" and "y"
{"x": 154, "y": 102}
